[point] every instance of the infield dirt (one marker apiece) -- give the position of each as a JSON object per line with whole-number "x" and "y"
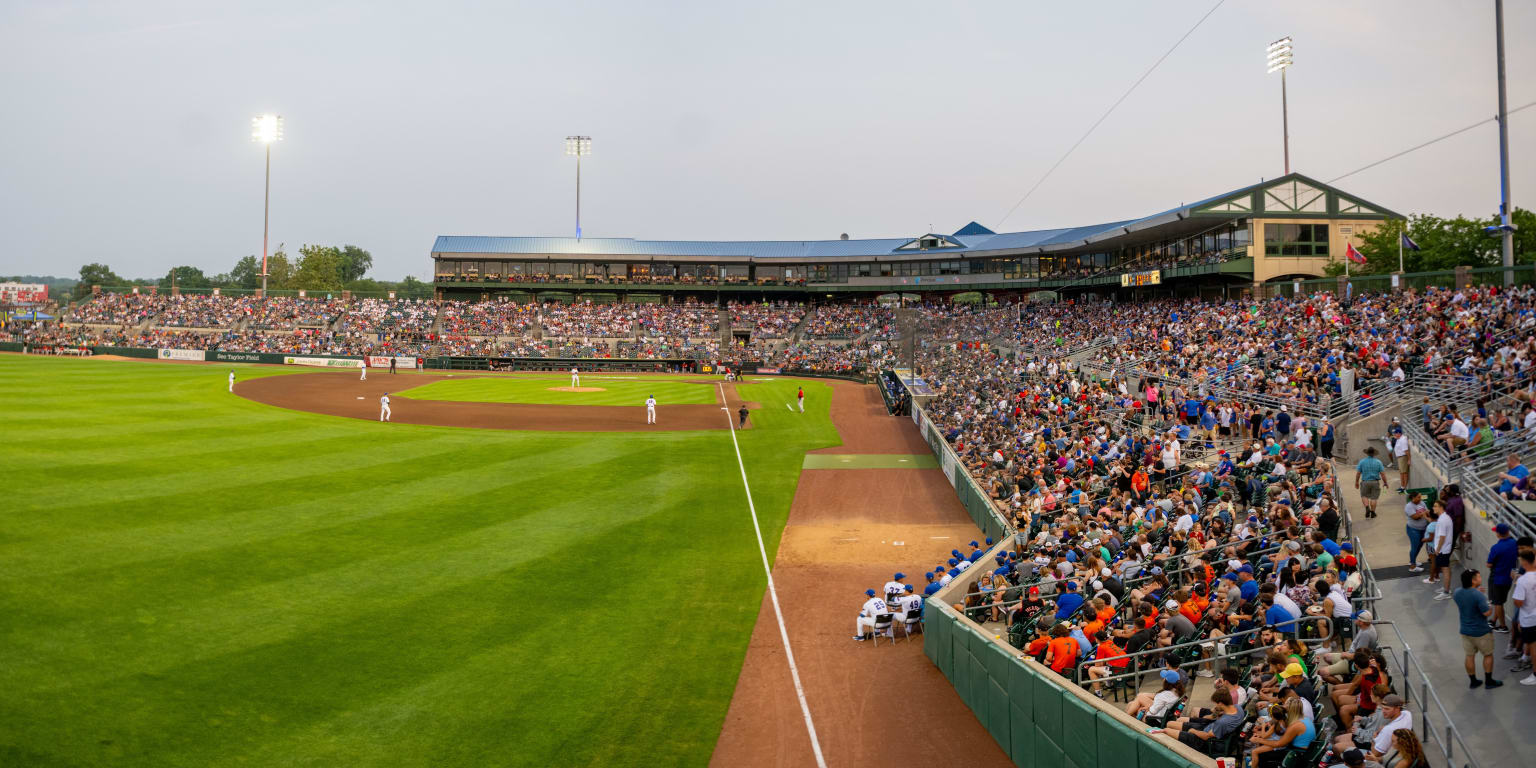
{"x": 851, "y": 530}
{"x": 343, "y": 394}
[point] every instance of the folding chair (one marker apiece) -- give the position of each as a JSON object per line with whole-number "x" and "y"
{"x": 914, "y": 618}
{"x": 883, "y": 624}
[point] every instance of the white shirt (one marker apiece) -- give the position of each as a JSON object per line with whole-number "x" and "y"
{"x": 911, "y": 603}
{"x": 1383, "y": 741}
{"x": 1184, "y": 523}
{"x": 1525, "y": 592}
{"x": 895, "y": 588}
{"x": 650, "y": 402}
{"x": 1400, "y": 448}
{"x": 964, "y": 564}
{"x": 1290, "y": 606}
{"x": 873, "y": 607}
{"x": 1459, "y": 429}
{"x": 1445, "y": 533}
{"x": 946, "y": 579}
{"x": 573, "y": 370}
{"x": 231, "y": 376}
{"x": 384, "y": 401}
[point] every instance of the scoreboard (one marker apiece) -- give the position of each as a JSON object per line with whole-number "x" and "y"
{"x": 1138, "y": 279}
{"x": 24, "y": 293}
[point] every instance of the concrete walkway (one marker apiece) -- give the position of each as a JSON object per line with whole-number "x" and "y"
{"x": 1498, "y": 726}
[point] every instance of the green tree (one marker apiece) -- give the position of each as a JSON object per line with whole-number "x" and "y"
{"x": 1444, "y": 243}
{"x": 247, "y": 273}
{"x": 96, "y": 274}
{"x": 280, "y": 271}
{"x": 411, "y": 288}
{"x": 184, "y": 277}
{"x": 355, "y": 262}
{"x": 319, "y": 268}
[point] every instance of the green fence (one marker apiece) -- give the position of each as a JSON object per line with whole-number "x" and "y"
{"x": 1039, "y": 718}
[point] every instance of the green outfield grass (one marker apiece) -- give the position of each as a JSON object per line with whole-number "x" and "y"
{"x": 618, "y": 389}
{"x": 189, "y": 578}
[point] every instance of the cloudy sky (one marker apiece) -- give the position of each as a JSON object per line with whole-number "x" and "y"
{"x": 126, "y": 123}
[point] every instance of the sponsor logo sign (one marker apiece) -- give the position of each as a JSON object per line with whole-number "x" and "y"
{"x": 768, "y": 371}
{"x": 234, "y": 357}
{"x": 183, "y": 354}
{"x": 24, "y": 293}
{"x": 322, "y": 362}
{"x": 381, "y": 361}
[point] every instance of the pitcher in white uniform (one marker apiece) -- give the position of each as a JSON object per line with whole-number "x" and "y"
{"x": 384, "y": 407}
{"x": 650, "y": 409}
{"x": 575, "y": 377}
{"x": 231, "y": 379}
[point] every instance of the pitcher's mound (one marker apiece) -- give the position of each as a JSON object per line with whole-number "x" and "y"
{"x": 577, "y": 389}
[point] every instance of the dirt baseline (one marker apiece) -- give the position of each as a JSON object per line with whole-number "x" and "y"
{"x": 342, "y": 394}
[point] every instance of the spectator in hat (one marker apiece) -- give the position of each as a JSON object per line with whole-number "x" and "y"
{"x": 1395, "y": 717}
{"x": 1208, "y": 725}
{"x": 1503, "y": 557}
{"x": 1335, "y": 666}
{"x": 1354, "y": 758}
{"x": 1158, "y": 705}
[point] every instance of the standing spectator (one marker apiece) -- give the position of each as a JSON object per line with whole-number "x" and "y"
{"x": 1502, "y": 558}
{"x": 1401, "y": 455}
{"x": 1325, "y": 440}
{"x": 1476, "y": 636}
{"x": 1368, "y": 480}
{"x": 1445, "y": 538}
{"x": 1418, "y": 519}
{"x": 1525, "y": 611}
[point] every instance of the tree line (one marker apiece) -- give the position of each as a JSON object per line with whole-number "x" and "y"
{"x": 318, "y": 269}
{"x": 1444, "y": 244}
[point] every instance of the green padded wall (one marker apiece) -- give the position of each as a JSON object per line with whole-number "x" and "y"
{"x": 1079, "y": 728}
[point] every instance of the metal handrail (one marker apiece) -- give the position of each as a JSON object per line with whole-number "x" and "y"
{"x": 1319, "y": 620}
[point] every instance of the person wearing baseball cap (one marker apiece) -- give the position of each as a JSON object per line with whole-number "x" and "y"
{"x": 1393, "y": 717}
{"x": 873, "y": 607}
{"x": 932, "y": 586}
{"x": 1503, "y": 558}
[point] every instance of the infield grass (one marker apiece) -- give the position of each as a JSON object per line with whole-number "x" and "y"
{"x": 189, "y": 578}
{"x": 617, "y": 390}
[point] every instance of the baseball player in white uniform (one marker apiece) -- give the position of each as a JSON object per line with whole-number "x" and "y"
{"x": 894, "y": 588}
{"x": 384, "y": 407}
{"x": 575, "y": 377}
{"x": 910, "y": 602}
{"x": 873, "y": 607}
{"x": 231, "y": 379}
{"x": 650, "y": 409}
{"x": 363, "y": 364}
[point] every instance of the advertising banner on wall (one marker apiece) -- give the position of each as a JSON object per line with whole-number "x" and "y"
{"x": 24, "y": 293}
{"x": 382, "y": 361}
{"x": 322, "y": 362}
{"x": 183, "y": 354}
{"x": 240, "y": 357}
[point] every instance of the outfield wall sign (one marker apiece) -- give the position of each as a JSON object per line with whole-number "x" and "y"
{"x": 1138, "y": 279}
{"x": 183, "y": 354}
{"x": 382, "y": 361}
{"x": 323, "y": 362}
{"x": 239, "y": 357}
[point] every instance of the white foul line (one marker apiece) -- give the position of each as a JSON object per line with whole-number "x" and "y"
{"x": 773, "y": 594}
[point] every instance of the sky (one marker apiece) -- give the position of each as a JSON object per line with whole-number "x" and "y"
{"x": 126, "y": 125}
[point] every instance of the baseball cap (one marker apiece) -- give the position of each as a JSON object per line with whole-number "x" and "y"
{"x": 1501, "y": 528}
{"x": 1169, "y": 675}
{"x": 1348, "y": 547}
{"x": 953, "y": 561}
{"x": 928, "y": 575}
{"x": 1097, "y": 585}
{"x": 1034, "y": 591}
{"x": 974, "y": 544}
{"x": 1364, "y": 616}
{"x": 1353, "y": 757}
{"x": 1392, "y": 700}
{"x": 869, "y": 592}
{"x": 1172, "y": 605}
{"x": 909, "y": 587}
{"x": 989, "y": 541}
{"x": 1293, "y": 670}
{"x": 900, "y": 576}
{"x": 1104, "y": 572}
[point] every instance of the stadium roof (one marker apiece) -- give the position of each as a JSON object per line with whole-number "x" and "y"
{"x": 1293, "y": 196}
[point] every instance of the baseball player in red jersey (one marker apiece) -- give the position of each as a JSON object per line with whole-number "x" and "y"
{"x": 800, "y": 395}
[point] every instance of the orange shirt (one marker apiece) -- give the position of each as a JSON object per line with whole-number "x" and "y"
{"x": 1107, "y": 649}
{"x": 1063, "y": 652}
{"x": 1037, "y": 646}
{"x": 1092, "y": 627}
{"x": 1106, "y": 614}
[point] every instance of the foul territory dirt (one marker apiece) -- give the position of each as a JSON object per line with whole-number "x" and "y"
{"x": 343, "y": 394}
{"x": 850, "y": 530}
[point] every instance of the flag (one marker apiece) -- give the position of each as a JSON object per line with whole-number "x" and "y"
{"x": 1408, "y": 242}
{"x": 1352, "y": 254}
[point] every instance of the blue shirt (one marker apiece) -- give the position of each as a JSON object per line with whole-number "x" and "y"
{"x": 1278, "y": 617}
{"x": 1082, "y": 641}
{"x": 1472, "y": 604}
{"x": 1283, "y": 423}
{"x": 1332, "y": 547}
{"x": 1519, "y": 472}
{"x": 1068, "y": 604}
{"x": 930, "y": 589}
{"x": 1370, "y": 469}
{"x": 1501, "y": 561}
{"x": 1304, "y": 739}
{"x": 1248, "y": 589}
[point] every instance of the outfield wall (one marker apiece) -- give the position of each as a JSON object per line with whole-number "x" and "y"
{"x": 1039, "y": 718}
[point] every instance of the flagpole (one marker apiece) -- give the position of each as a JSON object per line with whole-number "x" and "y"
{"x": 1400, "y": 237}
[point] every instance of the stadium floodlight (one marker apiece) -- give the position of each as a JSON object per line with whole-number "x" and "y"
{"x": 266, "y": 129}
{"x": 577, "y": 147}
{"x": 1278, "y": 59}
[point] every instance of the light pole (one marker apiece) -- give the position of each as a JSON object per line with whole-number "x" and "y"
{"x": 576, "y": 146}
{"x": 266, "y": 129}
{"x": 1279, "y": 59}
{"x": 1506, "y": 227}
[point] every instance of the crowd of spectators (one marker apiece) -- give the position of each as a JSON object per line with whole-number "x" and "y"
{"x": 118, "y": 309}
{"x": 391, "y": 315}
{"x": 847, "y": 321}
{"x": 585, "y": 319}
{"x": 766, "y": 320}
{"x": 677, "y": 321}
{"x": 487, "y": 318}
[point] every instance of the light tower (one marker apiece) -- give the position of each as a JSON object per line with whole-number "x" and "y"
{"x": 1279, "y": 60}
{"x": 577, "y": 146}
{"x": 266, "y": 129}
